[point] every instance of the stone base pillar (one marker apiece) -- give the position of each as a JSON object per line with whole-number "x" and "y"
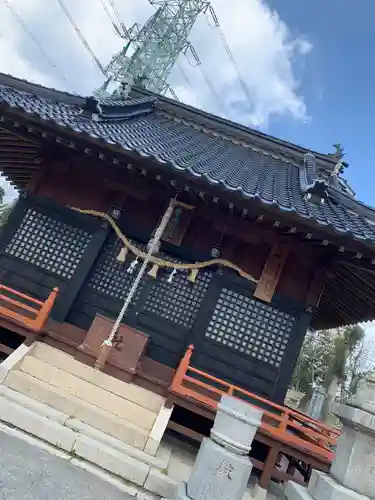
{"x": 222, "y": 467}
{"x": 353, "y": 469}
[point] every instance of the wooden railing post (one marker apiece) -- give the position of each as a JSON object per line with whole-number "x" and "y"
{"x": 284, "y": 422}
{"x": 44, "y": 311}
{"x": 182, "y": 369}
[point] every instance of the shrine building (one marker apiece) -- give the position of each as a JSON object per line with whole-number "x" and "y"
{"x": 262, "y": 240}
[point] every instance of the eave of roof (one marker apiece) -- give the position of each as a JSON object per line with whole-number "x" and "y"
{"x": 216, "y": 152}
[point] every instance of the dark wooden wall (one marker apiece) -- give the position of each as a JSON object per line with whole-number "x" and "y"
{"x": 176, "y": 314}
{"x": 87, "y": 185}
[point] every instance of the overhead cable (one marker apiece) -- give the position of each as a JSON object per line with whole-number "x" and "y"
{"x": 113, "y": 22}
{"x": 114, "y": 8}
{"x": 81, "y": 37}
{"x": 35, "y": 40}
{"x": 228, "y": 51}
{"x": 205, "y": 76}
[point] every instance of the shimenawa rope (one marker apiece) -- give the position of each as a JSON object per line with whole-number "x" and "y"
{"x": 159, "y": 261}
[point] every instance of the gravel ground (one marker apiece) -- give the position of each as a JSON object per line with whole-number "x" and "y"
{"x": 28, "y": 473}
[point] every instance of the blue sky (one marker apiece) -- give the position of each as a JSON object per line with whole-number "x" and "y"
{"x": 337, "y": 82}
{"x": 308, "y": 60}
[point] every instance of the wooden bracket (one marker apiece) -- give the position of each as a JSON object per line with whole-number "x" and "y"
{"x": 271, "y": 273}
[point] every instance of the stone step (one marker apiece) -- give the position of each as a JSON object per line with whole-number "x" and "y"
{"x": 37, "y": 425}
{"x": 31, "y": 404}
{"x": 141, "y": 478}
{"x": 86, "y": 391}
{"x": 160, "y": 461}
{"x": 131, "y": 392}
{"x": 77, "y": 408}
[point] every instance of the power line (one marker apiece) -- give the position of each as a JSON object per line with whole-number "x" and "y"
{"x": 205, "y": 76}
{"x": 35, "y": 40}
{"x": 184, "y": 75}
{"x": 81, "y": 37}
{"x": 114, "y": 8}
{"x": 118, "y": 27}
{"x": 113, "y": 23}
{"x": 229, "y": 52}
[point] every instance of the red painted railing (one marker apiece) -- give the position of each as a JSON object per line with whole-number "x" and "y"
{"x": 28, "y": 312}
{"x": 282, "y": 423}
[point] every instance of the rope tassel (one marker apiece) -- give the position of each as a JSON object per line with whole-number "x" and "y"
{"x": 170, "y": 277}
{"x": 153, "y": 272}
{"x": 193, "y": 275}
{"x": 122, "y": 255}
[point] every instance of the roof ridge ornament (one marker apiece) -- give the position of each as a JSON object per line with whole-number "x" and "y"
{"x": 91, "y": 107}
{"x": 338, "y": 156}
{"x": 313, "y": 185}
{"x": 339, "y": 152}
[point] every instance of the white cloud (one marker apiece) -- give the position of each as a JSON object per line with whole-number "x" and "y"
{"x": 261, "y": 42}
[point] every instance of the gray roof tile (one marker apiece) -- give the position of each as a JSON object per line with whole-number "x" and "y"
{"x": 138, "y": 125}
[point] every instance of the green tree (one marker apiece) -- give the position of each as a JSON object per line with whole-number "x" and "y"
{"x": 4, "y": 208}
{"x": 331, "y": 359}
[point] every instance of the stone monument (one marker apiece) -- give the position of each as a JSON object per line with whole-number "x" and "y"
{"x": 315, "y": 408}
{"x": 352, "y": 475}
{"x": 222, "y": 467}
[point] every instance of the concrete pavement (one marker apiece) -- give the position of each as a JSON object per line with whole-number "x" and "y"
{"x": 29, "y": 473}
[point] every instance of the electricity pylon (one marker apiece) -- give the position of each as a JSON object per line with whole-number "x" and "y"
{"x": 150, "y": 51}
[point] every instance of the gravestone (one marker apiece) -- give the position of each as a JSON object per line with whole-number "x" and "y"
{"x": 222, "y": 467}
{"x": 352, "y": 475}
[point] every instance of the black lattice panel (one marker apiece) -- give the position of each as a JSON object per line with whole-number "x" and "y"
{"x": 49, "y": 244}
{"x": 111, "y": 277}
{"x": 179, "y": 301}
{"x": 250, "y": 327}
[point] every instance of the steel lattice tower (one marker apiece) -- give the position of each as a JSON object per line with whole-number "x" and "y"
{"x": 151, "y": 51}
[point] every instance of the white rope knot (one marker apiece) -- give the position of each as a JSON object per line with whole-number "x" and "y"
{"x": 132, "y": 266}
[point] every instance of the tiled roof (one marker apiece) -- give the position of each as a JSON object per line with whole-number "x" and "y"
{"x": 275, "y": 176}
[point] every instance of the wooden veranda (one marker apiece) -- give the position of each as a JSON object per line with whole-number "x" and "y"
{"x": 290, "y": 437}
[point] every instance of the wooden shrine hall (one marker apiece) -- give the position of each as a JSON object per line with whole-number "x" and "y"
{"x": 200, "y": 231}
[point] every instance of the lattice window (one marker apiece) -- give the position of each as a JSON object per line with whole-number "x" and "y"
{"x": 179, "y": 301}
{"x": 111, "y": 277}
{"x": 49, "y": 243}
{"x": 250, "y": 327}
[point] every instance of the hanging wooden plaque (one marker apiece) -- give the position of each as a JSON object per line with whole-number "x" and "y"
{"x": 178, "y": 224}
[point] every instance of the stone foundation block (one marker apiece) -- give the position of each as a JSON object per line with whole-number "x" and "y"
{"x": 324, "y": 487}
{"x": 159, "y": 483}
{"x": 259, "y": 493}
{"x": 295, "y": 491}
{"x": 354, "y": 465}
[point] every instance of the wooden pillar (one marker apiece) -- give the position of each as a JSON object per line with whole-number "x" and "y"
{"x": 271, "y": 273}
